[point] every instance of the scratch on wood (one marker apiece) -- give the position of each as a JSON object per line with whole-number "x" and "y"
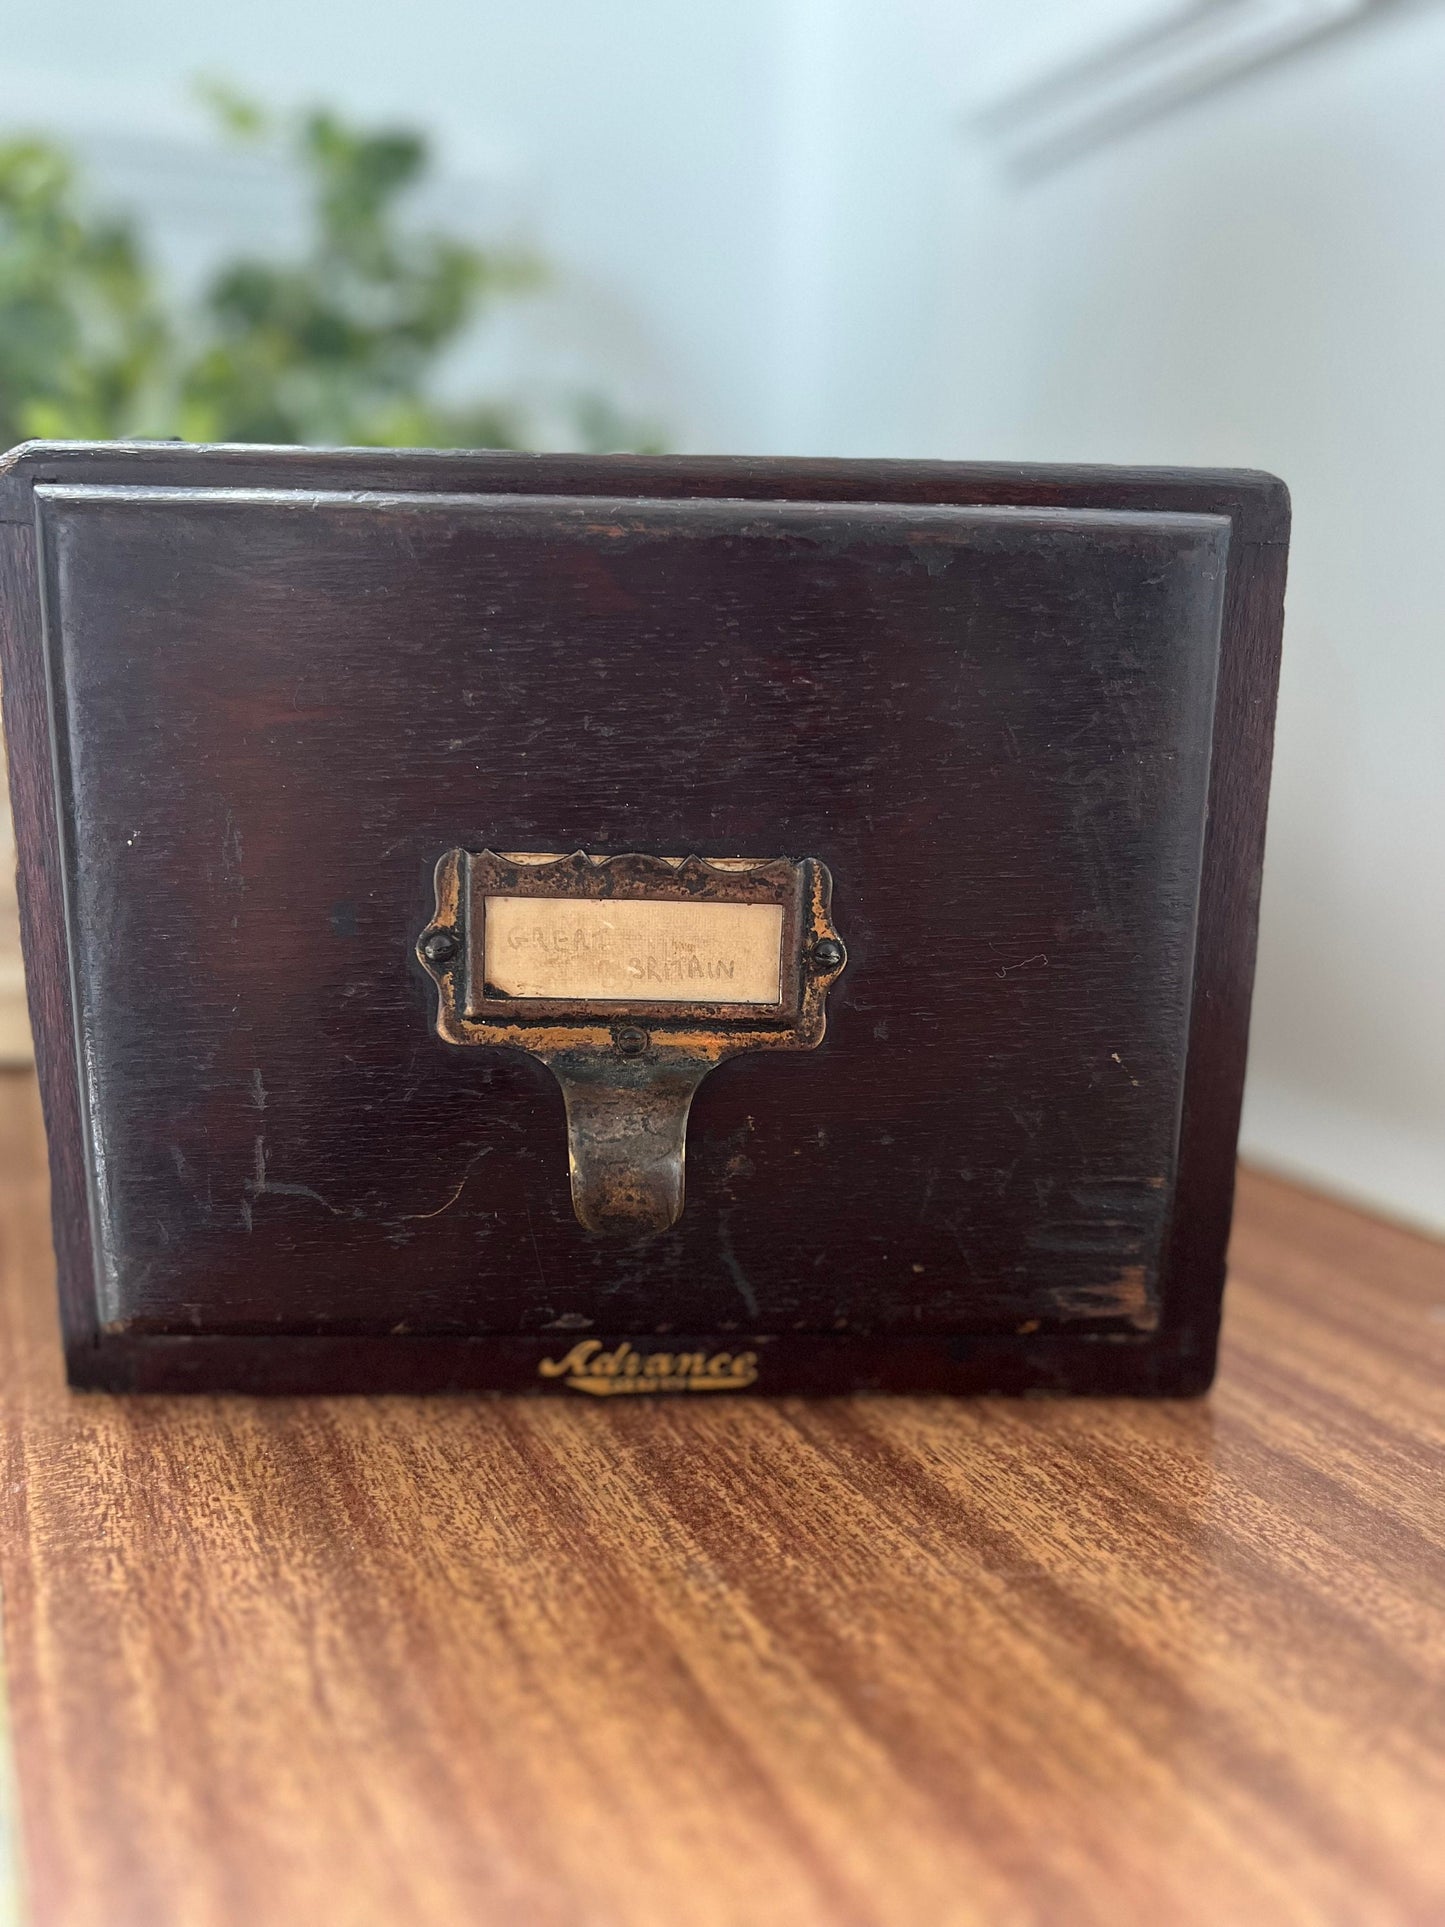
{"x": 411, "y": 1217}
{"x": 263, "y": 1185}
{"x": 732, "y": 1266}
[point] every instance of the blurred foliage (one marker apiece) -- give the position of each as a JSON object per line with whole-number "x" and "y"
{"x": 341, "y": 345}
{"x": 83, "y": 342}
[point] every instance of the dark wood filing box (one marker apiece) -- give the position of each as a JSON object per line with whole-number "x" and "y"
{"x": 1019, "y": 718}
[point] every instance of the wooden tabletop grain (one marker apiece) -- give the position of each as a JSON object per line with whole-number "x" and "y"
{"x": 896, "y": 1661}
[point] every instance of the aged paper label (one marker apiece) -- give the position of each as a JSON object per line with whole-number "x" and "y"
{"x": 632, "y": 950}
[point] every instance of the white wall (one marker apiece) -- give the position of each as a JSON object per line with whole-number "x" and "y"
{"x": 777, "y": 233}
{"x": 1261, "y": 280}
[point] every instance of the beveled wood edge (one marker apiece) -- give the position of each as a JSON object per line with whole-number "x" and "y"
{"x": 1257, "y": 503}
{"x": 41, "y": 890}
{"x": 1192, "y": 1270}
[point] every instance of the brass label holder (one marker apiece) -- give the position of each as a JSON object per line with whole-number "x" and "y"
{"x": 630, "y": 978}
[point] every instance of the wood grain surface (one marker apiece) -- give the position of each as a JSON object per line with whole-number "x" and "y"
{"x": 864, "y": 1660}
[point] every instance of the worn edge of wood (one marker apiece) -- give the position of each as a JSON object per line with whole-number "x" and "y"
{"x": 41, "y": 888}
{"x": 1257, "y": 503}
{"x": 1178, "y": 1358}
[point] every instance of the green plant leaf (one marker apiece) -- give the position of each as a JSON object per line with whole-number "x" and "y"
{"x": 340, "y": 343}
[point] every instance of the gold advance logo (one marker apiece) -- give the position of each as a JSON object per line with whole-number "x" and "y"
{"x": 603, "y": 1374}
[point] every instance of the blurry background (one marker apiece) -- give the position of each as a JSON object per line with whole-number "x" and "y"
{"x": 1176, "y": 231}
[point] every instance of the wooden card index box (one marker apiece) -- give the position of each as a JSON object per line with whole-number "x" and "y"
{"x": 423, "y": 854}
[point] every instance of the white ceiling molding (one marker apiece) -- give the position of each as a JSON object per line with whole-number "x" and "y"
{"x": 1172, "y": 52}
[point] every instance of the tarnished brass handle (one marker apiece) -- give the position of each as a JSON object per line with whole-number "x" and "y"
{"x": 627, "y": 1139}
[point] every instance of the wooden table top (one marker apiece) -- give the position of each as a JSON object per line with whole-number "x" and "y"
{"x": 896, "y": 1661}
